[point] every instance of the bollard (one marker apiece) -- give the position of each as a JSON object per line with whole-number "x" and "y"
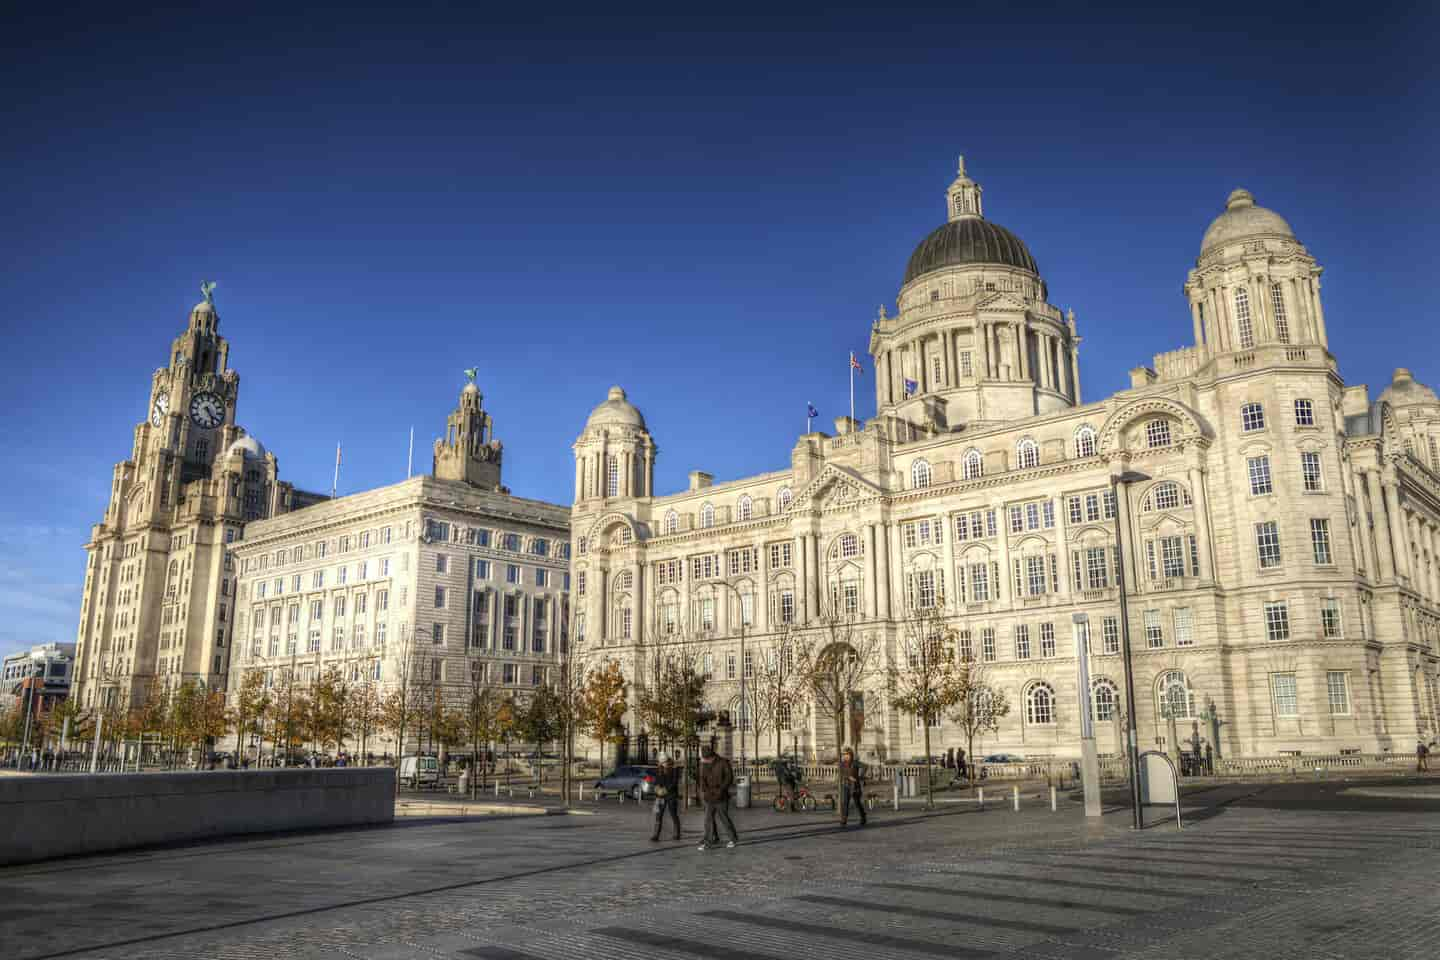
{"x": 980, "y": 791}
{"x": 896, "y": 787}
{"x": 1015, "y": 797}
{"x": 1052, "y": 799}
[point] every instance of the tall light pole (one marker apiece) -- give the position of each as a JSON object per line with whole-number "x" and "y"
{"x": 1132, "y": 739}
{"x": 1089, "y": 759}
{"x": 744, "y": 704}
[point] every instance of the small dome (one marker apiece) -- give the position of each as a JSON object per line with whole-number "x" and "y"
{"x": 204, "y": 306}
{"x": 616, "y": 410}
{"x": 1404, "y": 390}
{"x": 1243, "y": 220}
{"x": 966, "y": 241}
{"x": 471, "y": 388}
{"x": 247, "y": 446}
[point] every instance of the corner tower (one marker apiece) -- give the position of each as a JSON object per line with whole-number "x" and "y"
{"x": 468, "y": 451}
{"x": 614, "y": 454}
{"x": 975, "y": 340}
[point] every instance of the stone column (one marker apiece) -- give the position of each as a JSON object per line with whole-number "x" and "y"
{"x": 946, "y": 522}
{"x": 1381, "y": 528}
{"x": 802, "y": 585}
{"x": 1366, "y": 556}
{"x": 649, "y": 473}
{"x": 579, "y": 478}
{"x": 1199, "y": 328}
{"x": 1022, "y": 344}
{"x": 1202, "y": 522}
{"x": 871, "y": 568}
{"x": 1130, "y": 548}
{"x": 983, "y": 339}
{"x": 882, "y": 571}
{"x": 1004, "y": 585}
{"x": 815, "y": 570}
{"x": 1397, "y": 529}
{"x": 602, "y": 594}
{"x": 1075, "y": 373}
{"x": 638, "y": 617}
{"x": 1319, "y": 312}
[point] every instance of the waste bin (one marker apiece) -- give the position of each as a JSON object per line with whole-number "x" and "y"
{"x": 463, "y": 787}
{"x": 742, "y": 793}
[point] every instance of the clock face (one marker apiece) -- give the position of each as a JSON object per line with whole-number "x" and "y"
{"x": 207, "y": 410}
{"x": 161, "y": 407}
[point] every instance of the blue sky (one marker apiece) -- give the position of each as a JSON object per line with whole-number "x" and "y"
{"x": 705, "y": 209}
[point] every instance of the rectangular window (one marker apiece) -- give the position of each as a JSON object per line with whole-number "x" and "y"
{"x": 1267, "y": 544}
{"x": 1047, "y": 640}
{"x": 1035, "y": 575}
{"x": 1337, "y": 687}
{"x": 1110, "y": 504}
{"x": 1150, "y": 559}
{"x": 580, "y": 583}
{"x": 1096, "y": 568}
{"x": 1172, "y": 556}
{"x": 780, "y": 555}
{"x": 507, "y": 673}
{"x": 1017, "y": 520}
{"x": 540, "y": 577}
{"x": 925, "y": 589}
{"x": 509, "y": 636}
{"x": 482, "y": 569}
{"x": 342, "y": 575}
{"x": 1077, "y": 510}
{"x": 850, "y": 598}
{"x": 990, "y": 523}
{"x": 729, "y": 666}
{"x": 1277, "y": 621}
{"x": 1110, "y": 635}
{"x": 1304, "y": 413}
{"x": 1260, "y": 476}
{"x": 339, "y": 606}
{"x": 987, "y": 644}
{"x": 707, "y": 613}
{"x": 1310, "y": 471}
{"x": 1330, "y": 624}
{"x": 1194, "y": 555}
{"x": 512, "y": 573}
{"x": 1154, "y": 630}
{"x": 439, "y": 598}
{"x": 1320, "y": 541}
{"x": 787, "y": 606}
{"x": 1184, "y": 627}
{"x": 1022, "y": 642}
{"x": 1047, "y": 513}
{"x": 1032, "y": 516}
{"x": 437, "y": 633}
{"x": 966, "y": 368}
{"x": 1282, "y": 688}
{"x": 1092, "y": 507}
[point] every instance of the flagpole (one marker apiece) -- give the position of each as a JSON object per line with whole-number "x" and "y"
{"x": 335, "y": 484}
{"x": 852, "y": 391}
{"x": 410, "y": 457}
{"x": 808, "y": 407}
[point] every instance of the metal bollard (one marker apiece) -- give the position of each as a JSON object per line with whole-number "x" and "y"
{"x": 980, "y": 791}
{"x": 1052, "y": 799}
{"x": 896, "y": 787}
{"x": 1015, "y": 797}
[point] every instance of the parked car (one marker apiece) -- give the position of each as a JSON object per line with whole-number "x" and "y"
{"x": 635, "y": 781}
{"x": 1003, "y": 758}
{"x": 419, "y": 771}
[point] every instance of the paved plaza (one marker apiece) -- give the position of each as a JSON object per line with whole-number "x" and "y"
{"x": 1308, "y": 870}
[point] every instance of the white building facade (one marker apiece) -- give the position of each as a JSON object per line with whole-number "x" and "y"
{"x": 1281, "y": 554}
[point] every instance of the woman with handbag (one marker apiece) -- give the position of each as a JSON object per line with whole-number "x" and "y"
{"x": 667, "y": 797}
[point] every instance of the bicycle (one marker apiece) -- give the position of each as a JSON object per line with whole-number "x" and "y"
{"x": 800, "y": 798}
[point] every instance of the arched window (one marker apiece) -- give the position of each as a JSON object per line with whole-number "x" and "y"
{"x": 707, "y": 516}
{"x": 1104, "y": 700}
{"x": 973, "y": 467}
{"x": 1167, "y": 495}
{"x": 1252, "y": 417}
{"x": 1040, "y": 704}
{"x": 672, "y": 522}
{"x": 1173, "y": 696}
{"x": 1242, "y": 319}
{"x": 744, "y": 509}
{"x": 612, "y": 476}
{"x": 786, "y": 498}
{"x": 1282, "y": 322}
{"x": 1027, "y": 454}
{"x": 920, "y": 474}
{"x": 849, "y": 545}
{"x": 1085, "y": 442}
{"x": 1157, "y": 433}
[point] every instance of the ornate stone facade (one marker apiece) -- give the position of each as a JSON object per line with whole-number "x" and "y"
{"x": 443, "y": 575}
{"x": 158, "y": 599}
{"x": 1281, "y": 552}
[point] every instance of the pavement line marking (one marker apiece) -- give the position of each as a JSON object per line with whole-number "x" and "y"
{"x": 497, "y": 952}
{"x": 844, "y": 933}
{"x": 714, "y": 951}
{"x": 1061, "y": 882}
{"x": 1026, "y": 926}
{"x": 1227, "y": 864}
{"x": 1016, "y": 898}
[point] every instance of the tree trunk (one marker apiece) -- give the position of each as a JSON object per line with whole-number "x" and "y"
{"x": 929, "y": 780}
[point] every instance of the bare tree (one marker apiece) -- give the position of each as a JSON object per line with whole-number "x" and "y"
{"x": 980, "y": 707}
{"x": 778, "y": 688}
{"x": 835, "y": 666}
{"x": 923, "y": 680}
{"x": 482, "y": 713}
{"x": 398, "y": 710}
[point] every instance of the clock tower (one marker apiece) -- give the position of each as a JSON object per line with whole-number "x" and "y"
{"x": 159, "y": 581}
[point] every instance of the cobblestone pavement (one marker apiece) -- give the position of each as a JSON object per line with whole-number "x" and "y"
{"x": 1280, "y": 871}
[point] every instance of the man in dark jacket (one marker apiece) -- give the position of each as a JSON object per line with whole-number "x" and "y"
{"x": 852, "y": 786}
{"x": 716, "y": 779}
{"x": 667, "y": 797}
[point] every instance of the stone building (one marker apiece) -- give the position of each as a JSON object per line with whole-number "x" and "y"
{"x": 158, "y": 599}
{"x": 1280, "y": 552}
{"x": 430, "y": 581}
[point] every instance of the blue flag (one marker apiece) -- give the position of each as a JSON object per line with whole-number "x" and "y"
{"x": 910, "y": 386}
{"x": 812, "y": 411}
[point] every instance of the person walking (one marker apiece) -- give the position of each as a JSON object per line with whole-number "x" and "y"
{"x": 667, "y": 797}
{"x": 716, "y": 778}
{"x": 1422, "y": 757}
{"x": 961, "y": 772}
{"x": 852, "y": 787}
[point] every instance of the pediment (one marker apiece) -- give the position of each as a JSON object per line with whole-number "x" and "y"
{"x": 1001, "y": 302}
{"x": 837, "y": 488}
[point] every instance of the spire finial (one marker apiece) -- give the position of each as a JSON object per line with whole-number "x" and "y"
{"x": 207, "y": 290}
{"x": 961, "y": 170}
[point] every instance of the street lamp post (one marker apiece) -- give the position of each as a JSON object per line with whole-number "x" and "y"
{"x": 744, "y": 710}
{"x": 1132, "y": 738}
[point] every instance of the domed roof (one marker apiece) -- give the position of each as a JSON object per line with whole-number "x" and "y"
{"x": 968, "y": 240}
{"x": 616, "y": 410}
{"x": 247, "y": 445}
{"x": 204, "y": 306}
{"x": 1243, "y": 220}
{"x": 1404, "y": 390}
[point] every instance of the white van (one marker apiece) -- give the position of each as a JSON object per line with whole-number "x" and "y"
{"x": 419, "y": 771}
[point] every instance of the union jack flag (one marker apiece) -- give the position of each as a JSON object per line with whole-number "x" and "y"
{"x": 855, "y": 364}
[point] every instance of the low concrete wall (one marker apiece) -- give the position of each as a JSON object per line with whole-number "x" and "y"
{"x": 56, "y": 816}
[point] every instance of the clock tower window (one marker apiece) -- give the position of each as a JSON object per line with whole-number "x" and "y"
{"x": 202, "y": 446}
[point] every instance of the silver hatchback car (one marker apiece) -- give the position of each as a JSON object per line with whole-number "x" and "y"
{"x": 635, "y": 781}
